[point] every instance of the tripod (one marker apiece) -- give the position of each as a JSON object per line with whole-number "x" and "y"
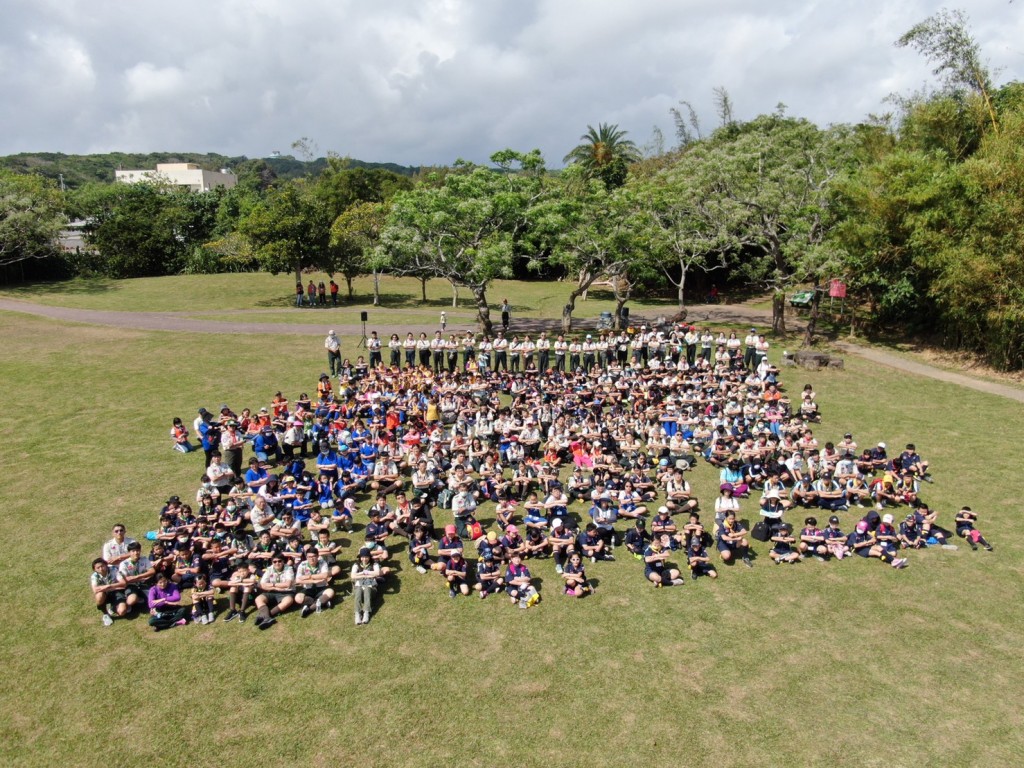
{"x": 362, "y": 340}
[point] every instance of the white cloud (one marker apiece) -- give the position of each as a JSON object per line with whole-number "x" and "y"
{"x": 426, "y": 81}
{"x": 146, "y": 82}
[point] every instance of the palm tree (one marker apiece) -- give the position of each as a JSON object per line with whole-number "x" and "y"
{"x": 605, "y": 153}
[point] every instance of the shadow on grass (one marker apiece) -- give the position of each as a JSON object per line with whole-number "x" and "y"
{"x": 92, "y": 286}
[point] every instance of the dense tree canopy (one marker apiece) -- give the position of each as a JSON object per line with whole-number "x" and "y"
{"x": 31, "y": 217}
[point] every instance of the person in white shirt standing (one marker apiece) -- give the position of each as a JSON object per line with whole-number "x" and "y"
{"x": 333, "y": 346}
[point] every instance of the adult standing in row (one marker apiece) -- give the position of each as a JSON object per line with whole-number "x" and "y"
{"x": 506, "y": 314}
{"x": 333, "y": 346}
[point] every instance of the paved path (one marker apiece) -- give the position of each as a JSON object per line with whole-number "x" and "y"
{"x": 737, "y": 314}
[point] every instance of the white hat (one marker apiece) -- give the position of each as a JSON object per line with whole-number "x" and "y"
{"x": 556, "y": 523}
{"x": 772, "y": 494}
{"x": 662, "y": 510}
{"x": 887, "y": 519}
{"x": 882, "y": 446}
{"x": 330, "y": 333}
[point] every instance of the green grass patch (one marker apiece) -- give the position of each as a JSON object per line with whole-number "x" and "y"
{"x": 213, "y": 294}
{"x": 831, "y": 664}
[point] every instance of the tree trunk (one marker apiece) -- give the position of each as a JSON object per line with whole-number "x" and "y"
{"x": 622, "y": 290}
{"x": 681, "y": 285}
{"x": 779, "y": 313}
{"x": 567, "y": 316}
{"x": 812, "y": 322}
{"x": 617, "y": 319}
{"x": 348, "y": 283}
{"x": 455, "y": 296}
{"x": 483, "y": 312}
{"x": 582, "y": 285}
{"x": 298, "y": 274}
{"x": 423, "y": 289}
{"x": 376, "y": 288}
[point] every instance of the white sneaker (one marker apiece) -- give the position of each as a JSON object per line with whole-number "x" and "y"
{"x": 107, "y": 621}
{"x": 420, "y": 569}
{"x": 359, "y": 618}
{"x": 366, "y": 617}
{"x": 210, "y": 618}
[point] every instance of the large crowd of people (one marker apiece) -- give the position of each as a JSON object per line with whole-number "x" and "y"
{"x": 578, "y": 449}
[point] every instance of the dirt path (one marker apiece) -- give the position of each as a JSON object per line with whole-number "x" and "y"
{"x": 737, "y": 314}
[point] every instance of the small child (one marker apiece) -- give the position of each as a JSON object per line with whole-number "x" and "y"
{"x": 698, "y": 560}
{"x": 202, "y": 600}
{"x": 965, "y": 520}
{"x": 835, "y": 539}
{"x": 576, "y": 582}
{"x": 783, "y": 551}
{"x": 242, "y": 585}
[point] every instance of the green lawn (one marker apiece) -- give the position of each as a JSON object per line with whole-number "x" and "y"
{"x": 847, "y": 663}
{"x": 212, "y": 294}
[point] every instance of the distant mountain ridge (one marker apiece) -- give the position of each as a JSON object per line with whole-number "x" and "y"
{"x": 83, "y": 169}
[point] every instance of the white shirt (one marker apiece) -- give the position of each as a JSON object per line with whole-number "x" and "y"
{"x": 112, "y": 550}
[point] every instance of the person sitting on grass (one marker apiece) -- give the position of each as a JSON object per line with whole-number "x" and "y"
{"x": 910, "y": 535}
{"x": 241, "y": 587}
{"x": 590, "y": 544}
{"x": 812, "y": 539}
{"x": 203, "y": 611}
{"x": 783, "y": 550}
{"x": 862, "y": 542}
{"x": 108, "y": 589}
{"x": 446, "y": 547}
{"x": 420, "y": 545}
{"x": 366, "y": 574}
{"x": 965, "y": 520}
{"x": 536, "y": 544}
{"x": 698, "y": 559}
{"x": 488, "y": 576}
{"x": 926, "y": 521}
{"x": 562, "y": 542}
{"x": 313, "y": 579}
{"x": 637, "y": 538}
{"x": 732, "y": 541}
{"x": 277, "y": 592}
{"x": 656, "y": 568}
{"x": 456, "y": 573}
{"x": 165, "y": 608}
{"x": 518, "y": 584}
{"x": 835, "y": 539}
{"x": 179, "y": 437}
{"x": 576, "y": 582}
{"x": 910, "y": 461}
{"x": 663, "y": 524}
{"x": 136, "y": 572}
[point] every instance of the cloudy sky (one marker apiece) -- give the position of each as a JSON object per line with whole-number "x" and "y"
{"x": 428, "y": 81}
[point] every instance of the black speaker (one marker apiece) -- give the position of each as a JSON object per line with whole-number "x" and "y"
{"x": 624, "y": 314}
{"x": 363, "y": 316}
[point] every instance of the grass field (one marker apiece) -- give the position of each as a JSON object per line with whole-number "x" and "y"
{"x": 211, "y": 294}
{"x": 849, "y": 664}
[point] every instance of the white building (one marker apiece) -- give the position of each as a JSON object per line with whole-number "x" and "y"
{"x": 181, "y": 175}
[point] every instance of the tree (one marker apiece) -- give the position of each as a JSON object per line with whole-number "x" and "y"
{"x": 463, "y": 229}
{"x": 289, "y": 232}
{"x": 605, "y": 153}
{"x": 945, "y": 40}
{"x": 31, "y": 217}
{"x": 356, "y": 232}
{"x": 687, "y": 228}
{"x": 141, "y": 230}
{"x": 592, "y": 232}
{"x": 766, "y": 185}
